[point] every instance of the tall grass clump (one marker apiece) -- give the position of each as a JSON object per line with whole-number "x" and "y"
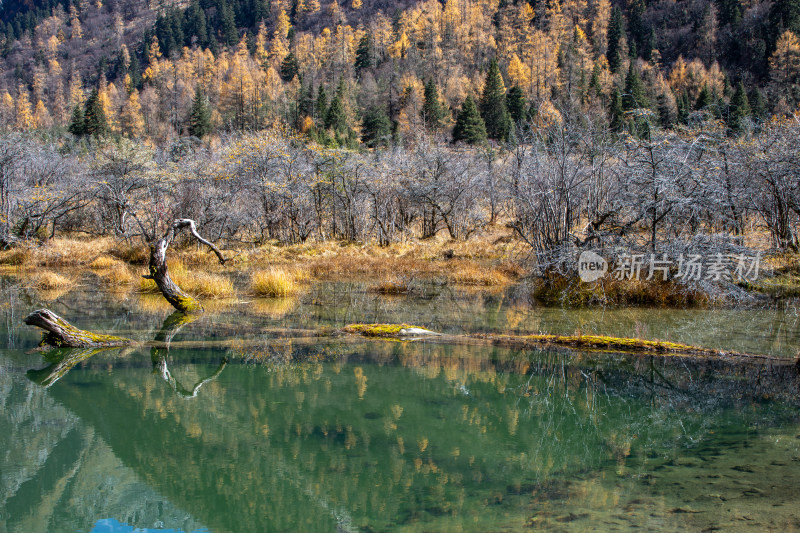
{"x": 275, "y": 282}
{"x": 194, "y": 283}
{"x": 49, "y": 280}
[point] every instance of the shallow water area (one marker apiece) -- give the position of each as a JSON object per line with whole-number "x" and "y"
{"x": 259, "y": 417}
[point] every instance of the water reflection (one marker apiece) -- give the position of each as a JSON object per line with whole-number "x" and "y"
{"x": 314, "y": 434}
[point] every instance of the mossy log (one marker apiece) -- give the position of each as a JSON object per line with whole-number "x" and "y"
{"x": 62, "y": 334}
{"x": 159, "y": 273}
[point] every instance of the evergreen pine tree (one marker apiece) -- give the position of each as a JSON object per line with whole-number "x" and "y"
{"x": 289, "y": 67}
{"x": 335, "y": 118}
{"x": 616, "y": 112}
{"x": 196, "y": 25}
{"x": 515, "y": 101}
{"x": 729, "y": 12}
{"x": 616, "y": 30}
{"x": 376, "y": 129}
{"x": 493, "y": 105}
{"x": 364, "y": 53}
{"x": 635, "y": 96}
{"x": 227, "y": 25}
{"x": 433, "y": 113}
{"x": 76, "y": 122}
{"x": 469, "y": 124}
{"x": 305, "y": 104}
{"x": 94, "y": 118}
{"x": 739, "y": 111}
{"x": 322, "y": 103}
{"x": 200, "y": 116}
{"x": 704, "y": 99}
{"x": 758, "y": 106}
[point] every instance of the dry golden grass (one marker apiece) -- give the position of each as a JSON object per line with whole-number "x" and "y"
{"x": 49, "y": 280}
{"x": 469, "y": 273}
{"x": 392, "y": 286}
{"x": 118, "y": 276}
{"x": 275, "y": 282}
{"x": 557, "y": 289}
{"x": 201, "y": 284}
{"x": 15, "y": 256}
{"x": 104, "y": 262}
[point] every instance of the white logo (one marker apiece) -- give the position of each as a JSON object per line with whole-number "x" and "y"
{"x": 591, "y": 267}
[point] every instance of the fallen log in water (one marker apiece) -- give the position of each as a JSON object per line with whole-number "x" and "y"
{"x": 62, "y": 334}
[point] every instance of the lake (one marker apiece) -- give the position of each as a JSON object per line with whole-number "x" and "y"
{"x": 261, "y": 417}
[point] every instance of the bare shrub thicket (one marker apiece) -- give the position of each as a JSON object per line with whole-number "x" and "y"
{"x": 563, "y": 188}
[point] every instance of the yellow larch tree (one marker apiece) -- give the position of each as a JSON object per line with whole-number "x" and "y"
{"x": 41, "y": 116}
{"x": 519, "y": 74}
{"x": 784, "y": 65}
{"x": 7, "y": 110}
{"x": 131, "y": 120}
{"x": 60, "y": 109}
{"x": 599, "y": 17}
{"x": 76, "y": 32}
{"x": 280, "y": 41}
{"x": 541, "y": 55}
{"x": 23, "y": 114}
{"x": 261, "y": 52}
{"x": 400, "y": 47}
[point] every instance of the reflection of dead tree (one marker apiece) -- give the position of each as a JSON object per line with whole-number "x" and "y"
{"x": 169, "y": 329}
{"x": 62, "y": 361}
{"x": 60, "y": 333}
{"x": 158, "y": 266}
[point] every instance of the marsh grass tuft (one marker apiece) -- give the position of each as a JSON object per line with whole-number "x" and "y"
{"x": 103, "y": 262}
{"x": 275, "y": 282}
{"x": 195, "y": 283}
{"x": 570, "y": 291}
{"x": 49, "y": 280}
{"x": 118, "y": 276}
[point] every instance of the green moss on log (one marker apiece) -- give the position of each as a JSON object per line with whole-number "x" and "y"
{"x": 379, "y": 330}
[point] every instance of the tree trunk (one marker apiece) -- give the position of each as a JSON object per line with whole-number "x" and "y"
{"x": 61, "y": 333}
{"x": 158, "y": 267}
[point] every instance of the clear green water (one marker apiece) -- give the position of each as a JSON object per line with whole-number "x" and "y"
{"x": 262, "y": 425}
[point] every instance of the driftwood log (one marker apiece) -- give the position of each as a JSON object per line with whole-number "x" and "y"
{"x": 158, "y": 272}
{"x": 62, "y": 334}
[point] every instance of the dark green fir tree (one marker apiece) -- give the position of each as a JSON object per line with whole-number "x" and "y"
{"x": 200, "y": 116}
{"x": 493, "y": 105}
{"x": 433, "y": 113}
{"x": 469, "y": 126}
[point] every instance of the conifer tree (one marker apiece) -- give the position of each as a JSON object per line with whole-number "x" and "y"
{"x": 616, "y": 30}
{"x": 469, "y": 127}
{"x": 635, "y": 96}
{"x": 758, "y": 106}
{"x": 433, "y": 113}
{"x": 289, "y": 67}
{"x": 704, "y": 99}
{"x": 227, "y": 26}
{"x": 739, "y": 111}
{"x": 200, "y": 116}
{"x": 616, "y": 112}
{"x": 364, "y": 53}
{"x": 515, "y": 101}
{"x": 76, "y": 126}
{"x": 94, "y": 118}
{"x": 335, "y": 117}
{"x": 493, "y": 105}
{"x": 322, "y": 102}
{"x": 376, "y": 129}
